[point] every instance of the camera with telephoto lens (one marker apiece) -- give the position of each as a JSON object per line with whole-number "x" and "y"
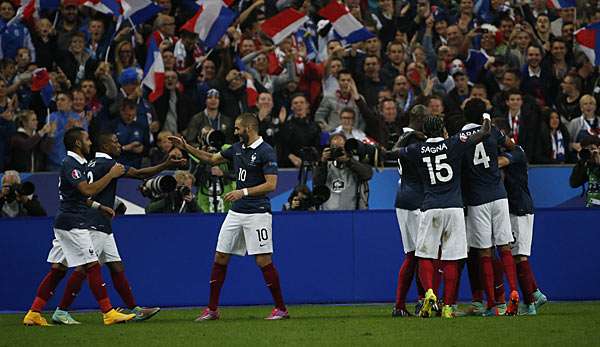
{"x": 368, "y": 154}
{"x": 157, "y": 187}
{"x": 213, "y": 140}
{"x": 308, "y": 200}
{"x": 336, "y": 152}
{"x": 183, "y": 190}
{"x": 23, "y": 189}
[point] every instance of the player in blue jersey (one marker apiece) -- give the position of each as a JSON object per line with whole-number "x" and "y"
{"x": 247, "y": 227}
{"x": 409, "y": 199}
{"x": 520, "y": 205}
{"x": 70, "y": 230}
{"x": 487, "y": 220}
{"x": 442, "y": 232}
{"x": 100, "y": 228}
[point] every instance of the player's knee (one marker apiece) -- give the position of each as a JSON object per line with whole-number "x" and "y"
{"x": 115, "y": 266}
{"x": 519, "y": 258}
{"x": 263, "y": 260}
{"x": 221, "y": 258}
{"x": 59, "y": 267}
{"x": 485, "y": 252}
{"x": 504, "y": 247}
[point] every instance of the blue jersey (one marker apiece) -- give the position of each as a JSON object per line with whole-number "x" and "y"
{"x": 410, "y": 192}
{"x": 251, "y": 164}
{"x": 438, "y": 163}
{"x": 72, "y": 203}
{"x": 482, "y": 182}
{"x": 97, "y": 168}
{"x": 516, "y": 181}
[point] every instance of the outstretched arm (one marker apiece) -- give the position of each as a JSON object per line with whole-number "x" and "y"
{"x": 211, "y": 158}
{"x": 485, "y": 130}
{"x": 146, "y": 172}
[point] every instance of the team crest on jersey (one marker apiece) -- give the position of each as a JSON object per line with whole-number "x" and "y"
{"x": 76, "y": 174}
{"x": 252, "y": 158}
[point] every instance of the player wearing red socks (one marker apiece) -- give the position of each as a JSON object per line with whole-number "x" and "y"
{"x": 70, "y": 232}
{"x": 248, "y": 225}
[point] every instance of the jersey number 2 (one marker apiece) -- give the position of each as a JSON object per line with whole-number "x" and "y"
{"x": 436, "y": 170}
{"x": 480, "y": 156}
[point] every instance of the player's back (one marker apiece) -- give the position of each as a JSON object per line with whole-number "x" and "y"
{"x": 439, "y": 167}
{"x": 97, "y": 168}
{"x": 72, "y": 202}
{"x": 482, "y": 182}
{"x": 410, "y": 193}
{"x": 251, "y": 164}
{"x": 516, "y": 182}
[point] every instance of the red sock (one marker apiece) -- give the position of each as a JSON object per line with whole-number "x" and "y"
{"x": 122, "y": 287}
{"x": 272, "y": 280}
{"x": 474, "y": 271}
{"x": 499, "y": 291}
{"x": 405, "y": 276}
{"x": 98, "y": 288}
{"x": 525, "y": 276}
{"x": 420, "y": 289}
{"x": 487, "y": 274}
{"x": 450, "y": 281}
{"x": 426, "y": 273}
{"x": 509, "y": 268}
{"x": 46, "y": 289}
{"x": 437, "y": 276}
{"x": 72, "y": 289}
{"x": 217, "y": 277}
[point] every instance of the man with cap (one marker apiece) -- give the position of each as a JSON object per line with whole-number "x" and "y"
{"x": 69, "y": 22}
{"x": 130, "y": 89}
{"x": 212, "y": 117}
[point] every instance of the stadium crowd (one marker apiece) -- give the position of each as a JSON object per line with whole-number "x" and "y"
{"x": 70, "y": 67}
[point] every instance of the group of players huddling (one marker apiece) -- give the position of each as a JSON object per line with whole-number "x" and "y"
{"x": 429, "y": 208}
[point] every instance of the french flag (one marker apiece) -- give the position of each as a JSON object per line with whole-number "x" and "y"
{"x": 211, "y": 22}
{"x": 251, "y": 93}
{"x": 588, "y": 39}
{"x": 30, "y": 10}
{"x": 557, "y": 4}
{"x": 348, "y": 27}
{"x": 154, "y": 73}
{"x": 104, "y": 6}
{"x": 283, "y": 24}
{"x": 40, "y": 82}
{"x": 139, "y": 11}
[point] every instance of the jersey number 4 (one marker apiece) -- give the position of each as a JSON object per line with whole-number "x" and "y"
{"x": 480, "y": 156}
{"x": 438, "y": 171}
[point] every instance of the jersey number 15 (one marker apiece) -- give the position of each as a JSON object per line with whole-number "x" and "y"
{"x": 438, "y": 171}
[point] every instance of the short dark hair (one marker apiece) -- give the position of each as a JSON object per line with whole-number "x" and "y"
{"x": 474, "y": 110}
{"x": 127, "y": 103}
{"x": 513, "y": 92}
{"x": 590, "y": 140}
{"x": 103, "y": 138}
{"x": 71, "y": 137}
{"x": 249, "y": 120}
{"x": 417, "y": 115}
{"x": 433, "y": 126}
{"x": 348, "y": 110}
{"x": 295, "y": 95}
{"x": 344, "y": 72}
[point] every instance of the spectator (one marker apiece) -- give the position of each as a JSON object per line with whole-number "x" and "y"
{"x": 212, "y": 117}
{"x": 554, "y": 140}
{"x": 14, "y": 202}
{"x": 297, "y": 133}
{"x": 28, "y": 147}
{"x": 173, "y": 109}
{"x": 404, "y": 94}
{"x": 69, "y": 23}
{"x": 300, "y": 199}
{"x": 347, "y": 116}
{"x": 125, "y": 58}
{"x": 13, "y": 36}
{"x": 64, "y": 119}
{"x": 371, "y": 82}
{"x": 181, "y": 200}
{"x": 396, "y": 63}
{"x": 461, "y": 91}
{"x": 133, "y": 136}
{"x": 7, "y": 124}
{"x": 534, "y": 79}
{"x": 585, "y": 124}
{"x": 567, "y": 103}
{"x": 131, "y": 89}
{"x": 269, "y": 123}
{"x": 164, "y": 148}
{"x": 45, "y": 43}
{"x": 346, "y": 177}
{"x": 524, "y": 126}
{"x": 328, "y": 114}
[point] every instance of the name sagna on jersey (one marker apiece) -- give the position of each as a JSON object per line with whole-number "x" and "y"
{"x": 433, "y": 150}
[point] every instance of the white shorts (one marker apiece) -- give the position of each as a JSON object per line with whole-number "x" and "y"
{"x": 522, "y": 229}
{"x": 488, "y": 225}
{"x": 443, "y": 227}
{"x": 246, "y": 232}
{"x": 408, "y": 221}
{"x": 72, "y": 248}
{"x": 104, "y": 246}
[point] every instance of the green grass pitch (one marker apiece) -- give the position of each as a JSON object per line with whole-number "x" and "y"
{"x": 564, "y": 323}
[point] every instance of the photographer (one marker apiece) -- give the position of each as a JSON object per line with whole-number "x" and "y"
{"x": 300, "y": 199}
{"x": 181, "y": 200}
{"x": 587, "y": 170}
{"x": 16, "y": 199}
{"x": 346, "y": 177}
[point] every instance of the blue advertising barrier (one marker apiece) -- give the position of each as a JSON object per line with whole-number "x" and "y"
{"x": 335, "y": 257}
{"x": 549, "y": 187}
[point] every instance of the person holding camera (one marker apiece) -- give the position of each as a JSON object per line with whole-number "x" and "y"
{"x": 16, "y": 199}
{"x": 210, "y": 116}
{"x": 587, "y": 170}
{"x": 346, "y": 177}
{"x": 301, "y": 199}
{"x": 181, "y": 200}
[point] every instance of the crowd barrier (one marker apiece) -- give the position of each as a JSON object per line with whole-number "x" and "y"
{"x": 324, "y": 257}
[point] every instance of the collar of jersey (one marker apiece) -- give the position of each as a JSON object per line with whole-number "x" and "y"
{"x": 407, "y": 129}
{"x": 470, "y": 126}
{"x": 102, "y": 155}
{"x": 76, "y": 156}
{"x": 435, "y": 139}
{"x": 255, "y": 144}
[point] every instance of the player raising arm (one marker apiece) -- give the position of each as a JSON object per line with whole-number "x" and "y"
{"x": 247, "y": 227}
